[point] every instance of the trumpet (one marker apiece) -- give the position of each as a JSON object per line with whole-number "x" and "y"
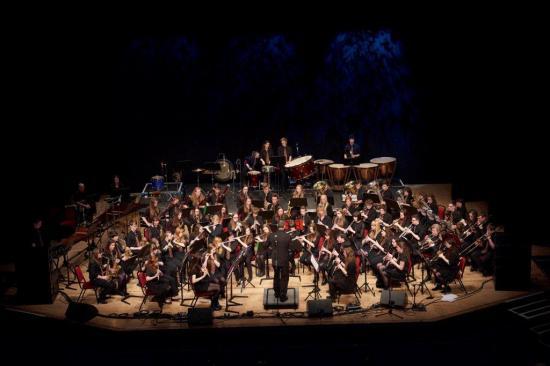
{"x": 405, "y": 231}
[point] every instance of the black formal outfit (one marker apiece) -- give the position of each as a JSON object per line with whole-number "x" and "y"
{"x": 133, "y": 238}
{"x": 287, "y": 153}
{"x": 106, "y": 287}
{"x": 341, "y": 282}
{"x": 279, "y": 241}
{"x": 351, "y": 149}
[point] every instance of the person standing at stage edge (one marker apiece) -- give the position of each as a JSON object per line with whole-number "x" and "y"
{"x": 279, "y": 241}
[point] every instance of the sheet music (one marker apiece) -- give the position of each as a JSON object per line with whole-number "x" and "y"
{"x": 314, "y": 263}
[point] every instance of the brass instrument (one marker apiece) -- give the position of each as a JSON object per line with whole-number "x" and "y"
{"x": 470, "y": 248}
{"x": 349, "y": 187}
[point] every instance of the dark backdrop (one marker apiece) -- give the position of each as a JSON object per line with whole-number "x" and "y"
{"x": 436, "y": 92}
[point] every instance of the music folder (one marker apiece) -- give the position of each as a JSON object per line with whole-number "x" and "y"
{"x": 298, "y": 202}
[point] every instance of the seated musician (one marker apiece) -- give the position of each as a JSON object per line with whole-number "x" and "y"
{"x": 152, "y": 211}
{"x": 113, "y": 257}
{"x": 356, "y": 230}
{"x": 360, "y": 192}
{"x": 255, "y": 221}
{"x": 455, "y": 215}
{"x": 266, "y": 194}
{"x": 395, "y": 266}
{"x": 98, "y": 276}
{"x": 417, "y": 230}
{"x": 344, "y": 276}
{"x": 279, "y": 216}
{"x": 408, "y": 196}
{"x": 157, "y": 283}
{"x": 197, "y": 198}
{"x": 322, "y": 218}
{"x": 303, "y": 220}
{"x": 432, "y": 203}
{"x": 274, "y": 205}
{"x": 369, "y": 213}
{"x": 215, "y": 229}
{"x": 133, "y": 238}
{"x": 349, "y": 207}
{"x": 461, "y": 208}
{"x": 483, "y": 257}
{"x": 201, "y": 275}
{"x": 243, "y": 196}
{"x": 128, "y": 262}
{"x": 352, "y": 152}
{"x": 235, "y": 224}
{"x": 262, "y": 251}
{"x": 384, "y": 215}
{"x": 85, "y": 208}
{"x": 323, "y": 202}
{"x": 216, "y": 197}
{"x": 445, "y": 267}
{"x": 339, "y": 222}
{"x": 386, "y": 191}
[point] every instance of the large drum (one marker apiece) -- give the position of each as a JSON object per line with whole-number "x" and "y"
{"x": 386, "y": 167}
{"x": 254, "y": 179}
{"x": 338, "y": 175}
{"x": 157, "y": 182}
{"x": 322, "y": 165}
{"x": 226, "y": 172}
{"x": 366, "y": 172}
{"x": 301, "y": 168}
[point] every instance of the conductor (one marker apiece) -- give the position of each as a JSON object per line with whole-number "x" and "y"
{"x": 279, "y": 241}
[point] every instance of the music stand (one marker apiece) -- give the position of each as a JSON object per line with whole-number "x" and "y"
{"x": 267, "y": 216}
{"x": 229, "y": 296}
{"x": 410, "y": 210}
{"x": 373, "y": 197}
{"x": 315, "y": 293}
{"x": 258, "y": 203}
{"x": 213, "y": 210}
{"x": 298, "y": 202}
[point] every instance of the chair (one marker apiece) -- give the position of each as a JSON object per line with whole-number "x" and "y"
{"x": 460, "y": 273}
{"x": 196, "y": 295}
{"x": 142, "y": 280}
{"x": 83, "y": 284}
{"x": 394, "y": 282}
{"x": 441, "y": 212}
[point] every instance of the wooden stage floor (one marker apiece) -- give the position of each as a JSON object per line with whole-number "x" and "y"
{"x": 481, "y": 294}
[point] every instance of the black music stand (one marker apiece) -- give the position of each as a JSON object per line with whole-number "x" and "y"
{"x": 258, "y": 203}
{"x": 267, "y": 216}
{"x": 373, "y": 197}
{"x": 365, "y": 286}
{"x": 213, "y": 210}
{"x": 315, "y": 293}
{"x": 298, "y": 202}
{"x": 392, "y": 207}
{"x": 229, "y": 287}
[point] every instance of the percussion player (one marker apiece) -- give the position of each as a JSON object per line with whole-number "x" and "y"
{"x": 286, "y": 151}
{"x": 352, "y": 152}
{"x": 265, "y": 157}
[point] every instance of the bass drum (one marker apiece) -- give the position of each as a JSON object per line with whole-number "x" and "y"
{"x": 226, "y": 172}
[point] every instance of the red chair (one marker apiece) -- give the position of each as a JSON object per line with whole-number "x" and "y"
{"x": 441, "y": 212}
{"x": 142, "y": 280}
{"x": 83, "y": 284}
{"x": 460, "y": 273}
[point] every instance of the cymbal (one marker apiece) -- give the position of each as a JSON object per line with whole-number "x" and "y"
{"x": 198, "y": 170}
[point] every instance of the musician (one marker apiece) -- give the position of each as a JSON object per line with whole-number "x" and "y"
{"x": 386, "y": 192}
{"x": 356, "y": 228}
{"x": 417, "y": 230}
{"x": 309, "y": 247}
{"x": 215, "y": 229}
{"x": 262, "y": 251}
{"x": 286, "y": 151}
{"x": 197, "y": 198}
{"x": 266, "y": 153}
{"x": 235, "y": 224}
{"x": 483, "y": 257}
{"x": 369, "y": 213}
{"x": 395, "y": 267}
{"x": 202, "y": 280}
{"x": 432, "y": 203}
{"x": 339, "y": 222}
{"x": 118, "y": 190}
{"x": 279, "y": 217}
{"x": 254, "y": 221}
{"x": 266, "y": 194}
{"x": 98, "y": 278}
{"x": 323, "y": 202}
{"x": 279, "y": 241}
{"x": 342, "y": 242}
{"x": 84, "y": 206}
{"x": 348, "y": 206}
{"x": 408, "y": 196}
{"x": 303, "y": 218}
{"x": 455, "y": 216}
{"x": 195, "y": 217}
{"x": 432, "y": 241}
{"x": 156, "y": 281}
{"x": 404, "y": 219}
{"x": 385, "y": 216}
{"x": 152, "y": 211}
{"x": 113, "y": 271}
{"x": 322, "y": 218}
{"x": 445, "y": 267}
{"x": 344, "y": 274}
{"x": 133, "y": 238}
{"x": 243, "y": 196}
{"x": 216, "y": 197}
{"x": 352, "y": 152}
{"x": 461, "y": 210}
{"x": 247, "y": 244}
{"x": 253, "y": 162}
{"x": 274, "y": 205}
{"x": 176, "y": 220}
